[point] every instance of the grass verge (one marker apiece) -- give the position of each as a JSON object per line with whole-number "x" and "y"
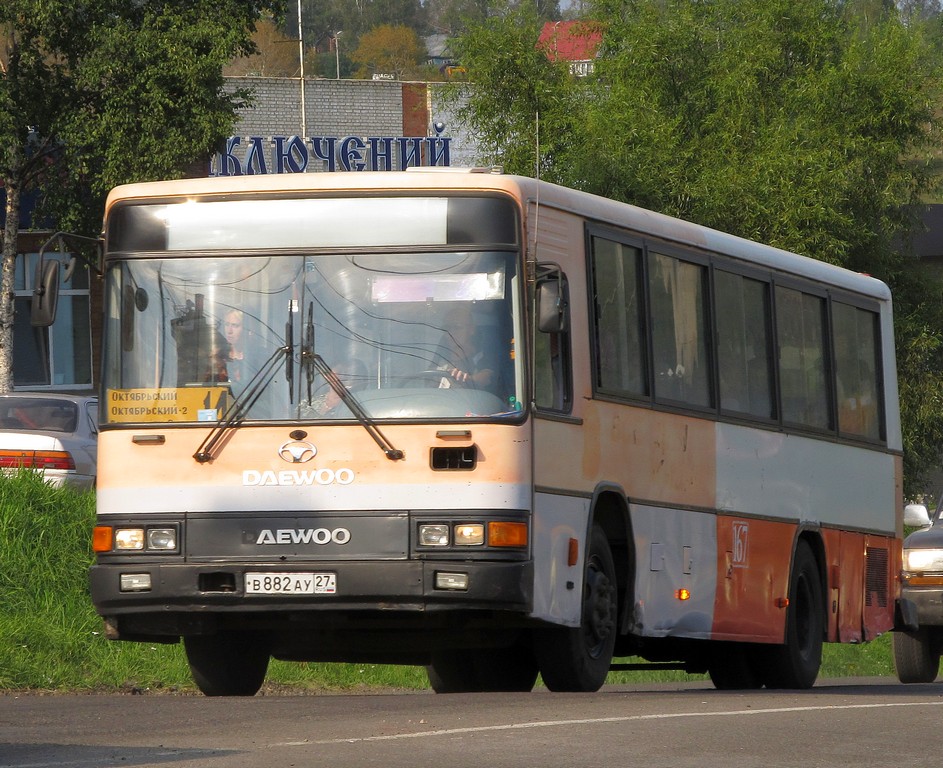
{"x": 50, "y": 635}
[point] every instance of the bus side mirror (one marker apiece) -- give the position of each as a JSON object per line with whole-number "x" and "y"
{"x": 552, "y": 306}
{"x": 45, "y": 294}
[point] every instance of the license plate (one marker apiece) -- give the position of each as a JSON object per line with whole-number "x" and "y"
{"x": 291, "y": 583}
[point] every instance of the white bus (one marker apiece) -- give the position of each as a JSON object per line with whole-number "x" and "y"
{"x": 488, "y": 425}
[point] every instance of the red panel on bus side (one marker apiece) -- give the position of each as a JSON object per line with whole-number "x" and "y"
{"x": 845, "y": 555}
{"x": 861, "y": 571}
{"x": 880, "y": 584}
{"x": 753, "y": 560}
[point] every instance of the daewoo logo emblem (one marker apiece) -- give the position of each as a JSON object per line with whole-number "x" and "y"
{"x": 297, "y": 452}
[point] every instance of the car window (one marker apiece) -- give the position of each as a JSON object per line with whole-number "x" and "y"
{"x": 25, "y": 413}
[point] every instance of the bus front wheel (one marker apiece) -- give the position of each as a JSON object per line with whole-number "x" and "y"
{"x": 228, "y": 664}
{"x": 578, "y": 658}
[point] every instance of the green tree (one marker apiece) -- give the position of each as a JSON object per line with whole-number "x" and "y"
{"x": 94, "y": 93}
{"x": 525, "y": 111}
{"x": 323, "y": 19}
{"x": 804, "y": 125}
{"x": 388, "y": 50}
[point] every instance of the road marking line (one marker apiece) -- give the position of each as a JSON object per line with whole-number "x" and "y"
{"x": 603, "y": 720}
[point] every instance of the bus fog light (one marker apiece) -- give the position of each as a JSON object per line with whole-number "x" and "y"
{"x": 456, "y": 581}
{"x": 469, "y": 534}
{"x": 129, "y": 538}
{"x": 135, "y": 582}
{"x": 162, "y": 538}
{"x": 434, "y": 535}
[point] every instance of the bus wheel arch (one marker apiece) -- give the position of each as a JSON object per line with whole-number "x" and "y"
{"x": 610, "y": 511}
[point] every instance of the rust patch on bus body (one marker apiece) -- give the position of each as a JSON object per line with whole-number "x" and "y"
{"x": 651, "y": 455}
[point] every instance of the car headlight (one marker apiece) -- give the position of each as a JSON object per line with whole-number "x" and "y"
{"x": 923, "y": 560}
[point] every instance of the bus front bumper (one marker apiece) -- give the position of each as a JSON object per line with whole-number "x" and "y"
{"x": 128, "y": 588}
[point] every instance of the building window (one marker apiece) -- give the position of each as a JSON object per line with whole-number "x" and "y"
{"x": 59, "y": 356}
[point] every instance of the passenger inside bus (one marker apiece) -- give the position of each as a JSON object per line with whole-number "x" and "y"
{"x": 235, "y": 356}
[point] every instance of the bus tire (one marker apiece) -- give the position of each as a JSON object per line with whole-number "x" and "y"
{"x": 735, "y": 666}
{"x": 578, "y": 658}
{"x": 511, "y": 669}
{"x": 916, "y": 656}
{"x": 796, "y": 663}
{"x": 228, "y": 663}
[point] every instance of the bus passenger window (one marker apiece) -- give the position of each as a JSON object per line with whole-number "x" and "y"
{"x": 620, "y": 359}
{"x": 743, "y": 345}
{"x": 856, "y": 366}
{"x": 679, "y": 330}
{"x": 800, "y": 319}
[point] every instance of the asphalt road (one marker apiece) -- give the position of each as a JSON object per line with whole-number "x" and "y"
{"x": 873, "y": 722}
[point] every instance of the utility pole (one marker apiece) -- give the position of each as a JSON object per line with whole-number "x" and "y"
{"x": 301, "y": 59}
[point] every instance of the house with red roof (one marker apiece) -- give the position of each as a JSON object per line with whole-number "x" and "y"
{"x": 577, "y": 42}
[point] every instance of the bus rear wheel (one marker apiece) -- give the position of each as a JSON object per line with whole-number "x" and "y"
{"x": 228, "y": 664}
{"x": 578, "y": 658}
{"x": 916, "y": 656}
{"x": 795, "y": 664}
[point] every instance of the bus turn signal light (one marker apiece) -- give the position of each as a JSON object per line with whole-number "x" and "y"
{"x": 683, "y": 594}
{"x": 102, "y": 538}
{"x": 502, "y": 533}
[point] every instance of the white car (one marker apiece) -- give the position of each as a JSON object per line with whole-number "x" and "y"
{"x": 56, "y": 434}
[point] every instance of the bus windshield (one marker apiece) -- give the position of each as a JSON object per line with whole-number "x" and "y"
{"x": 412, "y": 335}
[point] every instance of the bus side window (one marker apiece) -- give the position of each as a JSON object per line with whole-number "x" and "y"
{"x": 800, "y": 319}
{"x": 680, "y": 330}
{"x": 856, "y": 365}
{"x": 744, "y": 353}
{"x": 621, "y": 367}
{"x": 552, "y": 366}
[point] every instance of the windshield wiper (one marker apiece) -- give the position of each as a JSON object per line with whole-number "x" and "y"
{"x": 348, "y": 398}
{"x": 242, "y": 403}
{"x": 311, "y": 361}
{"x": 290, "y": 353}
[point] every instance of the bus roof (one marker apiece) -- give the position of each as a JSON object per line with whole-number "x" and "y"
{"x": 592, "y": 207}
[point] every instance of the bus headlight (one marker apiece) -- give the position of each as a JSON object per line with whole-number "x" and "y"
{"x": 162, "y": 538}
{"x": 923, "y": 560}
{"x": 434, "y": 535}
{"x": 129, "y": 538}
{"x": 469, "y": 534}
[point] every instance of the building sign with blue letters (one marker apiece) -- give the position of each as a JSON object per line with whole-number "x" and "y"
{"x": 294, "y": 154}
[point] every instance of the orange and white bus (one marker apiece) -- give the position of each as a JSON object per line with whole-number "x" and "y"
{"x": 488, "y": 425}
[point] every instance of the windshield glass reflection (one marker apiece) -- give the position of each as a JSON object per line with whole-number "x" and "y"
{"x": 411, "y": 336}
